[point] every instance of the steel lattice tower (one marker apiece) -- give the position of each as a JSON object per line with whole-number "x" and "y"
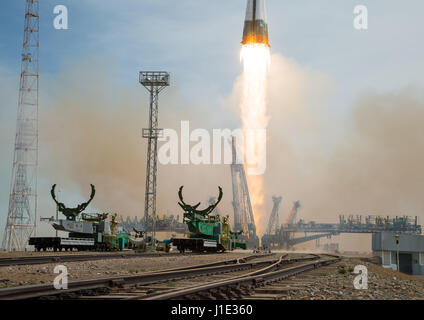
{"x": 243, "y": 213}
{"x": 154, "y": 82}
{"x": 274, "y": 218}
{"x": 22, "y": 214}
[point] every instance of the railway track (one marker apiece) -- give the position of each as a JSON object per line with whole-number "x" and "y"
{"x": 281, "y": 290}
{"x": 203, "y": 284}
{"x": 241, "y": 287}
{"x": 94, "y": 287}
{"x": 232, "y": 279}
{"x": 33, "y": 260}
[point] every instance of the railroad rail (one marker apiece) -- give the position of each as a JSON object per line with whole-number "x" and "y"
{"x": 104, "y": 285}
{"x": 32, "y": 260}
{"x": 238, "y": 287}
{"x": 145, "y": 291}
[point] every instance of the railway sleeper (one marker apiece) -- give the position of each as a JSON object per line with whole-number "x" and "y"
{"x": 238, "y": 291}
{"x": 218, "y": 294}
{"x": 117, "y": 283}
{"x": 94, "y": 292}
{"x": 50, "y": 298}
{"x": 191, "y": 297}
{"x": 247, "y": 289}
{"x": 206, "y": 295}
{"x": 68, "y": 296}
{"x": 234, "y": 292}
{"x": 102, "y": 291}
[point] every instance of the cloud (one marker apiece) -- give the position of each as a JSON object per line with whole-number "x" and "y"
{"x": 368, "y": 163}
{"x": 91, "y": 133}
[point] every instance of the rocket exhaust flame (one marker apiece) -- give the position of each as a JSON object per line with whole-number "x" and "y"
{"x": 255, "y": 56}
{"x": 256, "y": 61}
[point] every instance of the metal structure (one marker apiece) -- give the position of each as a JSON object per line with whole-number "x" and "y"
{"x": 274, "y": 218}
{"x": 154, "y": 82}
{"x": 211, "y": 201}
{"x": 255, "y": 29}
{"x": 22, "y": 213}
{"x": 291, "y": 220}
{"x": 211, "y": 281}
{"x": 71, "y": 213}
{"x": 129, "y": 224}
{"x": 353, "y": 224}
{"x": 207, "y": 232}
{"x": 86, "y": 231}
{"x": 243, "y": 213}
{"x": 166, "y": 223}
{"x": 293, "y": 212}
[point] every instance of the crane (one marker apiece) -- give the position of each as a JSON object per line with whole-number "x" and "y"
{"x": 274, "y": 219}
{"x": 292, "y": 215}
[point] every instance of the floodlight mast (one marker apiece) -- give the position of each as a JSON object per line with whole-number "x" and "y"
{"x": 154, "y": 82}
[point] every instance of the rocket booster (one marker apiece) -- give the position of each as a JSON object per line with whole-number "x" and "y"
{"x": 255, "y": 26}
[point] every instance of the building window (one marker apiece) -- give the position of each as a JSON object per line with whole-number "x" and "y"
{"x": 421, "y": 257}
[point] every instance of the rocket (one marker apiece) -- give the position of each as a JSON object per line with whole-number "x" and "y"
{"x": 255, "y": 26}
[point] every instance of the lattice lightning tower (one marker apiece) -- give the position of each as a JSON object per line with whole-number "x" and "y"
{"x": 22, "y": 214}
{"x": 154, "y": 82}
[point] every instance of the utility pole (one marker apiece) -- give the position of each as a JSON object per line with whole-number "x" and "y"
{"x": 22, "y": 213}
{"x": 397, "y": 254}
{"x": 154, "y": 82}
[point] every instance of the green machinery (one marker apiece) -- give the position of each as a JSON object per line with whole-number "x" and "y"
{"x": 86, "y": 231}
{"x": 207, "y": 231}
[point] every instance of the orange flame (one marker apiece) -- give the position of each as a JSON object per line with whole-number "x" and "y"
{"x": 256, "y": 61}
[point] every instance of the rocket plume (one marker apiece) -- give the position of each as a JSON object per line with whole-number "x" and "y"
{"x": 255, "y": 59}
{"x": 255, "y": 56}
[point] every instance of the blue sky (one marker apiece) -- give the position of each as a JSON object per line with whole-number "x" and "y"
{"x": 198, "y": 41}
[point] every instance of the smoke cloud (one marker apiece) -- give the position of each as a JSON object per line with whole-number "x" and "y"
{"x": 92, "y": 133}
{"x": 368, "y": 162}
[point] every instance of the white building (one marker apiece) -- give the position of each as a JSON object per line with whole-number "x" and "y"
{"x": 410, "y": 248}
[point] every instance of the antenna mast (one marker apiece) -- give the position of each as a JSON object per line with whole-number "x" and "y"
{"x": 22, "y": 214}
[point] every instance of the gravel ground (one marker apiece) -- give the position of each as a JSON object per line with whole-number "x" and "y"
{"x": 327, "y": 283}
{"x": 332, "y": 283}
{"x": 17, "y": 254}
{"x": 36, "y": 274}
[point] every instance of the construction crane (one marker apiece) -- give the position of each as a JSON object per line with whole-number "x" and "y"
{"x": 293, "y": 212}
{"x": 274, "y": 218}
